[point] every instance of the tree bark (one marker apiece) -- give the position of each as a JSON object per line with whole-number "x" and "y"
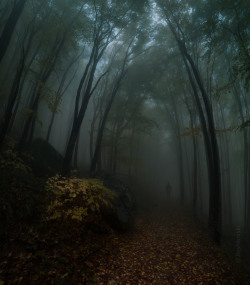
{"x": 60, "y": 92}
{"x": 11, "y": 101}
{"x": 29, "y": 127}
{"x": 195, "y": 160}
{"x": 116, "y": 87}
{"x": 15, "y": 91}
{"x": 212, "y": 152}
{"x": 9, "y": 27}
{"x": 95, "y": 57}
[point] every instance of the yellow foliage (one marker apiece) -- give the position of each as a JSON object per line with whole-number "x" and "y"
{"x": 75, "y": 198}
{"x": 10, "y": 159}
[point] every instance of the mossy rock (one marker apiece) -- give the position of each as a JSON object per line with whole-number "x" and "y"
{"x": 47, "y": 161}
{"x": 123, "y": 213}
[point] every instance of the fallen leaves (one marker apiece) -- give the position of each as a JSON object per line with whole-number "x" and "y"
{"x": 166, "y": 250}
{"x": 166, "y": 253}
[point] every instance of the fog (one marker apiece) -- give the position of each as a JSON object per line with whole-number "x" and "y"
{"x": 153, "y": 93}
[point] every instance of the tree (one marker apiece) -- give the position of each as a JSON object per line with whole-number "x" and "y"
{"x": 51, "y": 57}
{"x": 176, "y": 15}
{"x": 16, "y": 85}
{"x": 120, "y": 73}
{"x": 108, "y": 20}
{"x": 115, "y": 88}
{"x": 227, "y": 21}
{"x": 55, "y": 100}
{"x": 9, "y": 26}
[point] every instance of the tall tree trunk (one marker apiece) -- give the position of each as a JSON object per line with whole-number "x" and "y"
{"x": 79, "y": 115}
{"x": 23, "y": 79}
{"x": 180, "y": 152}
{"x": 215, "y": 190}
{"x": 96, "y": 155}
{"x": 175, "y": 123}
{"x": 29, "y": 127}
{"x": 76, "y": 127}
{"x": 195, "y": 182}
{"x": 97, "y": 113}
{"x": 60, "y": 92}
{"x": 11, "y": 101}
{"x": 212, "y": 151}
{"x": 112, "y": 144}
{"x": 50, "y": 126}
{"x": 25, "y": 130}
{"x": 195, "y": 158}
{"x": 212, "y": 156}
{"x": 10, "y": 26}
{"x": 246, "y": 162}
{"x": 115, "y": 153}
{"x": 76, "y": 152}
{"x": 227, "y": 173}
{"x": 15, "y": 90}
{"x": 131, "y": 152}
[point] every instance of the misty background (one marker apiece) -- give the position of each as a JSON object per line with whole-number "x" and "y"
{"x": 155, "y": 93}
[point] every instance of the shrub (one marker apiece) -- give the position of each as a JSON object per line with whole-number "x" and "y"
{"x": 77, "y": 199}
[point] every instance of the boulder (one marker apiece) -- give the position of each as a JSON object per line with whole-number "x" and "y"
{"x": 123, "y": 214}
{"x": 47, "y": 161}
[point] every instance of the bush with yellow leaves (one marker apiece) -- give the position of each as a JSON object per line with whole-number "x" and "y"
{"x": 77, "y": 199}
{"x": 11, "y": 161}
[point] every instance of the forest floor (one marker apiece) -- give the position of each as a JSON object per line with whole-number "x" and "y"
{"x": 161, "y": 249}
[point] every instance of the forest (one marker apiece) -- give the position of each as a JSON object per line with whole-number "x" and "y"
{"x": 125, "y": 142}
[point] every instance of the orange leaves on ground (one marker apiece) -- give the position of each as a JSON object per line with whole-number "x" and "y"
{"x": 164, "y": 250}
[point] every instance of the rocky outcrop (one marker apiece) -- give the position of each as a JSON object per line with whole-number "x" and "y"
{"x": 123, "y": 214}
{"x": 47, "y": 161}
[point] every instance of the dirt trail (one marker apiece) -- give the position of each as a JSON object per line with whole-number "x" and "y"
{"x": 165, "y": 251}
{"x": 169, "y": 249}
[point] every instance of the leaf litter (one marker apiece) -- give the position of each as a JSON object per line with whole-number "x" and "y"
{"x": 161, "y": 249}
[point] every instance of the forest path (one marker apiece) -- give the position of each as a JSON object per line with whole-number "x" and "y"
{"x": 161, "y": 249}
{"x": 170, "y": 250}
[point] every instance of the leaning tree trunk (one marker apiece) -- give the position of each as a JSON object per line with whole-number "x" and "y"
{"x": 15, "y": 91}
{"x": 77, "y": 125}
{"x": 23, "y": 80}
{"x": 11, "y": 101}
{"x": 60, "y": 93}
{"x": 212, "y": 156}
{"x": 97, "y": 152}
{"x": 9, "y": 27}
{"x": 212, "y": 148}
{"x": 29, "y": 127}
{"x": 207, "y": 122}
{"x": 95, "y": 57}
